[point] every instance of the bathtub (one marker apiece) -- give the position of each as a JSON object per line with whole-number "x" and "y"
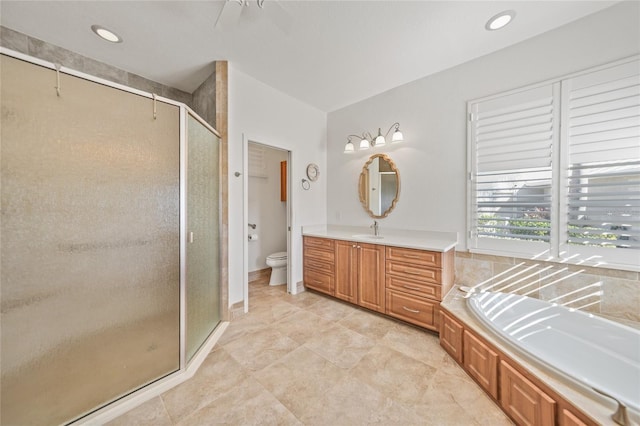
{"x": 590, "y": 351}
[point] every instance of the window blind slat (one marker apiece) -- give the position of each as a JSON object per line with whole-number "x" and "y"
{"x": 509, "y": 116}
{"x": 601, "y": 95}
{"x": 607, "y": 116}
{"x": 617, "y": 123}
{"x": 618, "y": 103}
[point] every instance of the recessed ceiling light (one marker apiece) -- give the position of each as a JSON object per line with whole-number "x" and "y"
{"x": 500, "y": 20}
{"x": 106, "y": 34}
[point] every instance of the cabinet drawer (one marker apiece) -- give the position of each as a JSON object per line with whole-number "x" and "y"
{"x": 481, "y": 363}
{"x": 317, "y": 280}
{"x": 413, "y": 309}
{"x": 524, "y": 401}
{"x": 451, "y": 336}
{"x": 414, "y": 272}
{"x": 417, "y": 257}
{"x": 322, "y": 243}
{"x": 310, "y": 262}
{"x": 318, "y": 255}
{"x": 418, "y": 288}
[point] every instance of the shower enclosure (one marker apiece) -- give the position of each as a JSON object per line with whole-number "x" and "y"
{"x": 110, "y": 238}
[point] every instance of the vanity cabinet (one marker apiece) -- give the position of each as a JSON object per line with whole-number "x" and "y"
{"x": 360, "y": 274}
{"x": 415, "y": 283}
{"x": 404, "y": 283}
{"x": 319, "y": 264}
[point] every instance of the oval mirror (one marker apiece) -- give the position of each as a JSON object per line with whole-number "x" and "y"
{"x": 379, "y": 186}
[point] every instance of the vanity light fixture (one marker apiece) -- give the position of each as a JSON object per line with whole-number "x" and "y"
{"x": 500, "y": 20}
{"x": 106, "y": 34}
{"x": 367, "y": 141}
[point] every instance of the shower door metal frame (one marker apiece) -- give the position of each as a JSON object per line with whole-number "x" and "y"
{"x": 115, "y": 408}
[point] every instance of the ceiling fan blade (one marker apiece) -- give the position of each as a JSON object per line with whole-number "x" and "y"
{"x": 229, "y": 15}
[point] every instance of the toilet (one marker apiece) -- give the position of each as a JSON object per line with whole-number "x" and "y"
{"x": 278, "y": 263}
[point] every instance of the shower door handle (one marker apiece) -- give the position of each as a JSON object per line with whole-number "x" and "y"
{"x": 191, "y": 237}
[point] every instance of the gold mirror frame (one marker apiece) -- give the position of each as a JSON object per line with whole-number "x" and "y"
{"x": 363, "y": 186}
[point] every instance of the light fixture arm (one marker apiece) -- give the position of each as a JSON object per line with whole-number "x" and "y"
{"x": 395, "y": 126}
{"x": 367, "y": 140}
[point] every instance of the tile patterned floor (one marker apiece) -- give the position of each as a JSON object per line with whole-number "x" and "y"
{"x": 311, "y": 360}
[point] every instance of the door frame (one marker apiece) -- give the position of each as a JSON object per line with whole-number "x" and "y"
{"x": 291, "y": 286}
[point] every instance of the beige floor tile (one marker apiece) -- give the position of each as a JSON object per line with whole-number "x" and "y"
{"x": 368, "y": 323}
{"x": 302, "y": 326}
{"x": 259, "y": 349}
{"x": 341, "y": 407}
{"x": 418, "y": 344}
{"x": 300, "y": 379}
{"x": 272, "y": 310}
{"x": 151, "y": 413}
{"x": 248, "y": 403}
{"x": 219, "y": 373}
{"x": 330, "y": 309}
{"x": 341, "y": 346}
{"x": 394, "y": 374}
{"x": 303, "y": 300}
{"x": 240, "y": 327}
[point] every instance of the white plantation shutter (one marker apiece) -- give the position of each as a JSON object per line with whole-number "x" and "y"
{"x": 603, "y": 166}
{"x": 512, "y": 139}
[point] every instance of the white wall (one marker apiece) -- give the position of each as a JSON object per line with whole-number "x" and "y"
{"x": 432, "y": 114}
{"x": 262, "y": 114}
{"x": 266, "y": 211}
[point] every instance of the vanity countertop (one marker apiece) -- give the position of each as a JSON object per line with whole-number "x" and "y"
{"x": 421, "y": 240}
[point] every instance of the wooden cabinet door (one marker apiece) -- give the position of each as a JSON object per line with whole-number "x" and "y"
{"x": 346, "y": 282}
{"x": 481, "y": 363}
{"x": 451, "y": 336}
{"x": 371, "y": 276}
{"x": 527, "y": 404}
{"x": 567, "y": 418}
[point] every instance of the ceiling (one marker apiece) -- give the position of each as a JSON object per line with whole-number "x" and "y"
{"x": 328, "y": 54}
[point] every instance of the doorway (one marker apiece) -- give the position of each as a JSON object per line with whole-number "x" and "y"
{"x": 267, "y": 213}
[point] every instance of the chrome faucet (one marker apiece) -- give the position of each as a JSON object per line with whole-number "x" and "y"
{"x": 376, "y": 228}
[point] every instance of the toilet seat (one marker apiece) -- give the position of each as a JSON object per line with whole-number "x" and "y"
{"x": 281, "y": 255}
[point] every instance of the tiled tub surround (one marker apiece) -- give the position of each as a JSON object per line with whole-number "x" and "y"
{"x": 598, "y": 410}
{"x": 612, "y": 293}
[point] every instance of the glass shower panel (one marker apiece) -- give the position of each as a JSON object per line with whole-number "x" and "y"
{"x": 90, "y": 255}
{"x": 203, "y": 234}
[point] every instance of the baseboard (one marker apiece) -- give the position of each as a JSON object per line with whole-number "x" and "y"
{"x": 236, "y": 310}
{"x": 260, "y": 274}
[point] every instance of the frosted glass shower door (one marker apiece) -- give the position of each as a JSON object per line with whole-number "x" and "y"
{"x": 90, "y": 265}
{"x": 203, "y": 234}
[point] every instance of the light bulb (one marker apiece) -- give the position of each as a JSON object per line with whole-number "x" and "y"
{"x": 397, "y": 136}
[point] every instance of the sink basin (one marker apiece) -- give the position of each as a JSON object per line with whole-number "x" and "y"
{"x": 369, "y": 236}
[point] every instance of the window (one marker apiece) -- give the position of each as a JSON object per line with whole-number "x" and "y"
{"x": 555, "y": 169}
